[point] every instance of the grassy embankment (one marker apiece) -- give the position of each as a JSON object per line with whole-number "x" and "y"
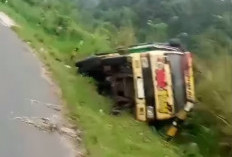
{"x": 55, "y": 28}
{"x": 103, "y": 135}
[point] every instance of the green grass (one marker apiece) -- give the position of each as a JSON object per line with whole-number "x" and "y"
{"x": 103, "y": 135}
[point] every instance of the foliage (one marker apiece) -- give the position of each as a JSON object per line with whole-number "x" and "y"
{"x": 72, "y": 29}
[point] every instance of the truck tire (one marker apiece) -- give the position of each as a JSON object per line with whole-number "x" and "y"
{"x": 89, "y": 64}
{"x": 114, "y": 61}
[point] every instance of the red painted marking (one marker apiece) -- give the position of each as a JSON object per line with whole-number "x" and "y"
{"x": 187, "y": 63}
{"x": 161, "y": 78}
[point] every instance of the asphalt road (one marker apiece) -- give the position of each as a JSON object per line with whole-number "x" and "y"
{"x": 20, "y": 81}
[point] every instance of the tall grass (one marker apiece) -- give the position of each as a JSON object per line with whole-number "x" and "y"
{"x": 214, "y": 90}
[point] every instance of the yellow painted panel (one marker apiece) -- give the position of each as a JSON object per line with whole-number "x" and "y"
{"x": 189, "y": 79}
{"x": 163, "y": 97}
{"x": 139, "y": 87}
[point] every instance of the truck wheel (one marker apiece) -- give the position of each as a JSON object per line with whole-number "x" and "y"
{"x": 114, "y": 61}
{"x": 88, "y": 64}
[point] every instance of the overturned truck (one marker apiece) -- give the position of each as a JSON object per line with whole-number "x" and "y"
{"x": 155, "y": 80}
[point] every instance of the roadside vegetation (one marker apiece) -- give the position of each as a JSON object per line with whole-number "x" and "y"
{"x": 63, "y": 31}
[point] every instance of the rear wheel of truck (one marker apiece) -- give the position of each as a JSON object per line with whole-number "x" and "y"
{"x": 114, "y": 61}
{"x": 89, "y": 64}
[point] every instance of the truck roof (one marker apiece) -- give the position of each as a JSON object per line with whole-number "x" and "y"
{"x": 149, "y": 47}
